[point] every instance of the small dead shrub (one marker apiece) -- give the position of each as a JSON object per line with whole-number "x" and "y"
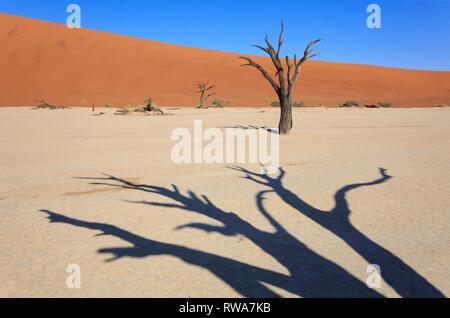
{"x": 149, "y": 109}
{"x": 275, "y": 104}
{"x": 349, "y": 104}
{"x": 440, "y": 105}
{"x": 218, "y": 103}
{"x": 42, "y": 104}
{"x": 385, "y": 104}
{"x": 122, "y": 112}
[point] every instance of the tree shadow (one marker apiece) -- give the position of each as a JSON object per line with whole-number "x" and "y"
{"x": 310, "y": 274}
{"x": 244, "y": 278}
{"x": 252, "y": 127}
{"x": 399, "y": 275}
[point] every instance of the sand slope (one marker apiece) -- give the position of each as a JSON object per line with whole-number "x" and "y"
{"x": 81, "y": 67}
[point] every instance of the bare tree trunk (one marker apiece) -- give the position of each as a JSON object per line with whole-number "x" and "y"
{"x": 285, "y": 125}
{"x": 202, "y": 101}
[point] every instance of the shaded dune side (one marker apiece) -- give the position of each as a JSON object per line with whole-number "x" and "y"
{"x": 79, "y": 67}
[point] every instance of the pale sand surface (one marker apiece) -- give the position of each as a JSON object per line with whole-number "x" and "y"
{"x": 43, "y": 152}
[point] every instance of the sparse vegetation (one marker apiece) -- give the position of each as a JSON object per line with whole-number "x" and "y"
{"x": 385, "y": 104}
{"x": 349, "y": 104}
{"x": 275, "y": 104}
{"x": 122, "y": 112}
{"x": 440, "y": 105}
{"x": 149, "y": 108}
{"x": 218, "y": 103}
{"x": 298, "y": 104}
{"x": 42, "y": 104}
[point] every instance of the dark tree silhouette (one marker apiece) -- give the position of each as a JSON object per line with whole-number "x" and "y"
{"x": 310, "y": 274}
{"x": 399, "y": 275}
{"x": 287, "y": 73}
{"x": 204, "y": 89}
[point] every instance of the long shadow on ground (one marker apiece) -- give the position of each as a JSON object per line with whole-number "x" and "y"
{"x": 310, "y": 274}
{"x": 399, "y": 275}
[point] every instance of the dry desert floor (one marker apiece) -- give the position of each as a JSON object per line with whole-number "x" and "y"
{"x": 359, "y": 187}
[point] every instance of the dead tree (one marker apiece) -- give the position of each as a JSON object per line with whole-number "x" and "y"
{"x": 204, "y": 90}
{"x": 287, "y": 74}
{"x": 151, "y": 107}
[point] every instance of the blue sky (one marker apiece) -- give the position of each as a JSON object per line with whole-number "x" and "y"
{"x": 415, "y": 33}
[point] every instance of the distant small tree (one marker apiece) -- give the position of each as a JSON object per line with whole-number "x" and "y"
{"x": 204, "y": 89}
{"x": 298, "y": 104}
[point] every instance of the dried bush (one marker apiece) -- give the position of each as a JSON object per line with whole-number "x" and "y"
{"x": 349, "y": 103}
{"x": 298, "y": 104}
{"x": 275, "y": 104}
{"x": 122, "y": 111}
{"x": 440, "y": 105}
{"x": 385, "y": 104}
{"x": 42, "y": 104}
{"x": 218, "y": 103}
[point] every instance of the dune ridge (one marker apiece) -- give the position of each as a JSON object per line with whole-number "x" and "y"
{"x": 80, "y": 67}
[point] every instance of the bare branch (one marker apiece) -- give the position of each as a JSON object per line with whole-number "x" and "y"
{"x": 269, "y": 45}
{"x": 273, "y": 55}
{"x": 262, "y": 48}
{"x": 307, "y": 55}
{"x": 250, "y": 62}
{"x": 289, "y": 69}
{"x": 203, "y": 88}
{"x": 314, "y": 55}
{"x": 280, "y": 39}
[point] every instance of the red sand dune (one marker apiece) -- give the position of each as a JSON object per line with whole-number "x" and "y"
{"x": 79, "y": 67}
